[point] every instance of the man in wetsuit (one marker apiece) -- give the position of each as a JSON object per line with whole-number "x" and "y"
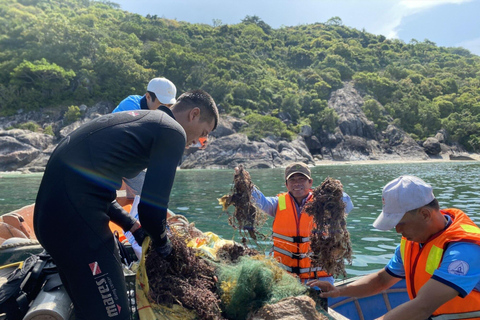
{"x": 80, "y": 183}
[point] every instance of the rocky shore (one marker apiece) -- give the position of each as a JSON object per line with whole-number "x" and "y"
{"x": 355, "y": 139}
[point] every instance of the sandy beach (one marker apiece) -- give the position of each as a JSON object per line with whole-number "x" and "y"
{"x": 444, "y": 158}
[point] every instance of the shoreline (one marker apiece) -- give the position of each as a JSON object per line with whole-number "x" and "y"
{"x": 475, "y": 158}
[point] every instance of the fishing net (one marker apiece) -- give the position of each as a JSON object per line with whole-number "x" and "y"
{"x": 329, "y": 240}
{"x": 253, "y": 282}
{"x": 209, "y": 278}
{"x": 247, "y": 217}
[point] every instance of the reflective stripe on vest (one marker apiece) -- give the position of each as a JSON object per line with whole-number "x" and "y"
{"x": 291, "y": 239}
{"x": 290, "y": 254}
{"x": 300, "y": 270}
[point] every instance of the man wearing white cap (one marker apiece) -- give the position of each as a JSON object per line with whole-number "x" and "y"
{"x": 160, "y": 91}
{"x": 160, "y": 95}
{"x": 439, "y": 256}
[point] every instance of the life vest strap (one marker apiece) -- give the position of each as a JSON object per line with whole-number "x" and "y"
{"x": 297, "y": 239}
{"x": 292, "y": 255}
{"x": 451, "y": 316}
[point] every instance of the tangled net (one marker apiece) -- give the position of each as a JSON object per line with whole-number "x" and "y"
{"x": 247, "y": 217}
{"x": 184, "y": 279}
{"x": 253, "y": 282}
{"x": 330, "y": 240}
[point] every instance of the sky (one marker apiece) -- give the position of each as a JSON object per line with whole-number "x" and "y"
{"x": 448, "y": 23}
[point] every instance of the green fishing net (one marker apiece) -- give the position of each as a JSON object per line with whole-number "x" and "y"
{"x": 251, "y": 283}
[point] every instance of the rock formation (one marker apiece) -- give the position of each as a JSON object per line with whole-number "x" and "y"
{"x": 354, "y": 138}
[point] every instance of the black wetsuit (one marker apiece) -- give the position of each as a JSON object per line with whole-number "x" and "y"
{"x": 79, "y": 185}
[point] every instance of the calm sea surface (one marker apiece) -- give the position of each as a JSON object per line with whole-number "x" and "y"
{"x": 195, "y": 194}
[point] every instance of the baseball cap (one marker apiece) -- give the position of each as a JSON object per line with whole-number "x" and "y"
{"x": 297, "y": 167}
{"x": 164, "y": 89}
{"x": 399, "y": 196}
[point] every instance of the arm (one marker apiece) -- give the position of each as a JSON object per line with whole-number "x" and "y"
{"x": 364, "y": 287}
{"x": 267, "y": 204}
{"x": 165, "y": 155}
{"x": 121, "y": 217}
{"x": 430, "y": 297}
{"x": 348, "y": 203}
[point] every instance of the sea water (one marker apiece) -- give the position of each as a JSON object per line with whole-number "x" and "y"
{"x": 195, "y": 193}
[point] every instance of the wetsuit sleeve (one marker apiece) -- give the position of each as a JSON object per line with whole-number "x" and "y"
{"x": 267, "y": 204}
{"x": 120, "y": 216}
{"x": 166, "y": 153}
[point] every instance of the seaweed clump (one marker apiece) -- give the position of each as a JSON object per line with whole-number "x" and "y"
{"x": 247, "y": 216}
{"x": 184, "y": 279}
{"x": 231, "y": 253}
{"x": 329, "y": 240}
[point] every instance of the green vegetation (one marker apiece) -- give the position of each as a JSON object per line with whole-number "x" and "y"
{"x": 30, "y": 125}
{"x": 72, "y": 114}
{"x": 72, "y": 52}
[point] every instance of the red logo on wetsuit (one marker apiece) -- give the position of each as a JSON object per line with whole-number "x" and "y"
{"x": 133, "y": 113}
{"x": 95, "y": 268}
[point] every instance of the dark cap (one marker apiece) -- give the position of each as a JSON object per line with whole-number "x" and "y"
{"x": 297, "y": 167}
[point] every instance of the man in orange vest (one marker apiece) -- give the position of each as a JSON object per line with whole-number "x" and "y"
{"x": 292, "y": 227}
{"x": 439, "y": 256}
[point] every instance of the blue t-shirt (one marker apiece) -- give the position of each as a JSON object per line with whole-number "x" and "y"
{"x": 129, "y": 103}
{"x": 459, "y": 269}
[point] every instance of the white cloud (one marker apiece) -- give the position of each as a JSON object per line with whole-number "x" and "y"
{"x": 404, "y": 8}
{"x": 473, "y": 45}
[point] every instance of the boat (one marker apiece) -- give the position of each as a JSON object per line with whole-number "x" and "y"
{"x": 18, "y": 242}
{"x": 369, "y": 307}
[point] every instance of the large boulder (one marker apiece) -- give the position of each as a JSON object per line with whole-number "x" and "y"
{"x": 15, "y": 154}
{"x": 432, "y": 146}
{"x": 235, "y": 149}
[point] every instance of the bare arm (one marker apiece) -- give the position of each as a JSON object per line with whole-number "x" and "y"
{"x": 430, "y": 297}
{"x": 364, "y": 287}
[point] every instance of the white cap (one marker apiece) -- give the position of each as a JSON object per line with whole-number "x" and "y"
{"x": 399, "y": 196}
{"x": 164, "y": 89}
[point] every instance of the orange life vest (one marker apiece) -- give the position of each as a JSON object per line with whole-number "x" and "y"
{"x": 420, "y": 263}
{"x": 291, "y": 239}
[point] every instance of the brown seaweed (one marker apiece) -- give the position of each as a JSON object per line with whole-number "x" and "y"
{"x": 329, "y": 240}
{"x": 184, "y": 279}
{"x": 247, "y": 216}
{"x": 230, "y": 253}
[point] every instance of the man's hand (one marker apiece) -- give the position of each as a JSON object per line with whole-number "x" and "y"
{"x": 328, "y": 289}
{"x": 165, "y": 250}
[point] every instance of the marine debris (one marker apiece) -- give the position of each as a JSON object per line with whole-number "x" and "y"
{"x": 253, "y": 282}
{"x": 183, "y": 278}
{"x": 230, "y": 253}
{"x": 247, "y": 216}
{"x": 329, "y": 240}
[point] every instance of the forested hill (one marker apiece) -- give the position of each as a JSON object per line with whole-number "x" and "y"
{"x": 71, "y": 52}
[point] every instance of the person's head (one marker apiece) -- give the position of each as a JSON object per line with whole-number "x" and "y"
{"x": 160, "y": 91}
{"x": 197, "y": 113}
{"x": 410, "y": 207}
{"x": 298, "y": 180}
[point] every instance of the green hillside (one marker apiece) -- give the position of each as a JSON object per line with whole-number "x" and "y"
{"x": 71, "y": 52}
